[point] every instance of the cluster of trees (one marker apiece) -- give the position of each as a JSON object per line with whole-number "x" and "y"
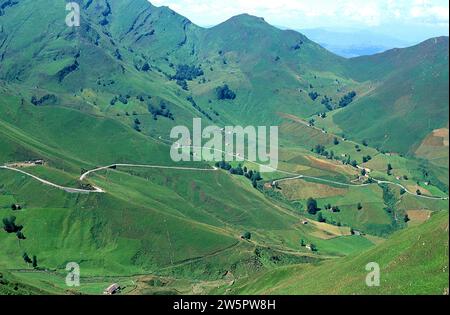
{"x": 163, "y": 111}
{"x": 224, "y": 165}
{"x": 332, "y": 208}
{"x": 121, "y": 98}
{"x": 48, "y": 98}
{"x": 183, "y": 84}
{"x": 366, "y": 158}
{"x": 349, "y": 161}
{"x": 186, "y": 73}
{"x": 313, "y": 95}
{"x": 327, "y": 102}
{"x": 252, "y": 175}
{"x": 313, "y": 209}
{"x": 347, "y": 99}
{"x": 28, "y": 260}
{"x": 10, "y": 226}
{"x": 67, "y": 70}
{"x": 194, "y": 104}
{"x": 321, "y": 150}
{"x": 390, "y": 200}
{"x": 225, "y": 93}
{"x": 137, "y": 125}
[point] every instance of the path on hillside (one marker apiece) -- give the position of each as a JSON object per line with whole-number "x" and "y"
{"x": 376, "y": 181}
{"x": 97, "y": 189}
{"x": 48, "y": 183}
{"x": 148, "y": 166}
{"x": 295, "y": 175}
{"x": 319, "y": 179}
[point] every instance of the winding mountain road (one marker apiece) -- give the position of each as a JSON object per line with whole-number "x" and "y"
{"x": 213, "y": 169}
{"x": 48, "y": 183}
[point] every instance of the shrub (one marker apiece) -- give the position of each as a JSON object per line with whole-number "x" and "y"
{"x": 313, "y": 95}
{"x": 311, "y": 205}
{"x": 247, "y": 235}
{"x": 225, "y": 93}
{"x": 347, "y": 99}
{"x": 186, "y": 72}
{"x": 9, "y": 225}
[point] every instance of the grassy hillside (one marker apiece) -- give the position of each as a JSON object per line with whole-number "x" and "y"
{"x": 414, "y": 261}
{"x": 409, "y": 98}
{"x": 111, "y": 90}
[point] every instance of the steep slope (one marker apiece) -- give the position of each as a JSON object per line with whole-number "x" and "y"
{"x": 414, "y": 261}
{"x": 107, "y": 91}
{"x": 270, "y": 70}
{"x": 409, "y": 98}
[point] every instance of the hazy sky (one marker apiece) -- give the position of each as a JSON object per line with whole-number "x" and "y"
{"x": 411, "y": 19}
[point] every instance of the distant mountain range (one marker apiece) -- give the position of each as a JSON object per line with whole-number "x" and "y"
{"x": 354, "y": 43}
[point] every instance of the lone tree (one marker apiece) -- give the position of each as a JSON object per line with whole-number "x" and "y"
{"x": 247, "y": 236}
{"x": 35, "y": 262}
{"x": 389, "y": 169}
{"x": 27, "y": 258}
{"x": 360, "y": 206}
{"x": 312, "y": 206}
{"x": 336, "y": 141}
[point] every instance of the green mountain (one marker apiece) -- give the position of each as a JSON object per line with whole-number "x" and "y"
{"x": 109, "y": 92}
{"x": 409, "y": 98}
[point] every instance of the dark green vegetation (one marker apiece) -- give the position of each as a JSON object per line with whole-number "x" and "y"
{"x": 105, "y": 93}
